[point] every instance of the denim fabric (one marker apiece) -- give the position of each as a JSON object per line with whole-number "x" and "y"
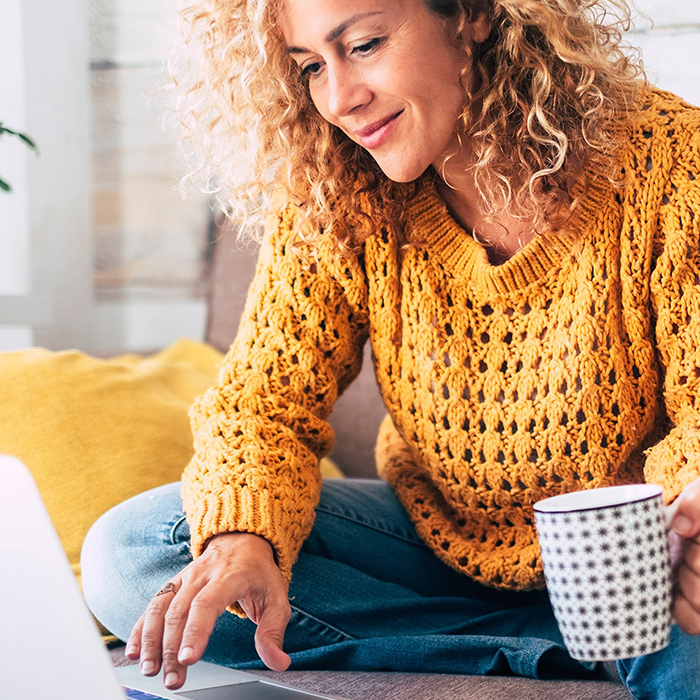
{"x": 672, "y": 673}
{"x": 366, "y": 594}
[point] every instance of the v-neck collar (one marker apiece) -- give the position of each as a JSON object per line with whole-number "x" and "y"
{"x": 465, "y": 258}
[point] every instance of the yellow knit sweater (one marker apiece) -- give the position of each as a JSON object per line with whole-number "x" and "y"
{"x": 504, "y": 384}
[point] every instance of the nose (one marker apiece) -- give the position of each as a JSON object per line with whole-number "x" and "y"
{"x": 347, "y": 91}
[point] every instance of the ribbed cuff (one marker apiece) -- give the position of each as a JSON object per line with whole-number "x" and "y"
{"x": 243, "y": 509}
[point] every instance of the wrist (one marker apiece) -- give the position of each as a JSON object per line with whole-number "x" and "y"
{"x": 226, "y": 540}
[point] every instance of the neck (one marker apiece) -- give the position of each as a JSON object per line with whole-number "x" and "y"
{"x": 502, "y": 236}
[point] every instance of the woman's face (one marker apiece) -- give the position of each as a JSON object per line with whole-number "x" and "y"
{"x": 385, "y": 73}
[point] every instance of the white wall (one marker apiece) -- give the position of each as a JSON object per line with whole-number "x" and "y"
{"x": 45, "y": 224}
{"x": 14, "y": 214}
{"x": 97, "y": 248}
{"x": 149, "y": 243}
{"x": 671, "y": 45}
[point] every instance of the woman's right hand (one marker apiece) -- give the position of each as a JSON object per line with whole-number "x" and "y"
{"x": 174, "y": 630}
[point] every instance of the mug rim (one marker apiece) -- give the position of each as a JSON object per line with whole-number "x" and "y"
{"x": 597, "y": 499}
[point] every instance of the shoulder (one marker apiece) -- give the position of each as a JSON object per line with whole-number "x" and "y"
{"x": 659, "y": 148}
{"x": 294, "y": 242}
{"x": 664, "y": 123}
{"x": 665, "y": 153}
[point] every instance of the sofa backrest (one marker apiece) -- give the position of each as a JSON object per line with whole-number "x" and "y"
{"x": 357, "y": 413}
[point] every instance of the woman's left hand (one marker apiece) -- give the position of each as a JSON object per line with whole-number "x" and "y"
{"x": 685, "y": 556}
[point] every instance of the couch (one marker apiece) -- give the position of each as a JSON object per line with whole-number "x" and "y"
{"x": 355, "y": 419}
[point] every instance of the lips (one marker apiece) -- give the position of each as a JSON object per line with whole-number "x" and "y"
{"x": 374, "y": 134}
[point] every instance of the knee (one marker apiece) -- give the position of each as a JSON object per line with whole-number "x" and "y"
{"x": 101, "y": 562}
{"x": 124, "y": 556}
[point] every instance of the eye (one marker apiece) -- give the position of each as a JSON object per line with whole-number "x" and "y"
{"x": 368, "y": 46}
{"x": 310, "y": 70}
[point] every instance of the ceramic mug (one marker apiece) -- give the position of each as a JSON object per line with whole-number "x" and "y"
{"x": 607, "y": 567}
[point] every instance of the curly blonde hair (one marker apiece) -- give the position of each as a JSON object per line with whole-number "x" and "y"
{"x": 552, "y": 80}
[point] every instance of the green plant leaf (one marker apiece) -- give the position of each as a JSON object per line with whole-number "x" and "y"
{"x": 4, "y": 186}
{"x": 25, "y": 137}
{"x": 27, "y": 140}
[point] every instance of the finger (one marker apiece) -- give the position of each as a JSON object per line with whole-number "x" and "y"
{"x": 686, "y": 521}
{"x": 269, "y": 637}
{"x": 688, "y": 585}
{"x": 176, "y": 617}
{"x": 686, "y": 615}
{"x": 691, "y": 556}
{"x": 676, "y": 547}
{"x": 152, "y": 625}
{"x": 133, "y": 644}
{"x": 205, "y": 609}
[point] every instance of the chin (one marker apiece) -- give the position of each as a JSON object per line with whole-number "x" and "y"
{"x": 401, "y": 172}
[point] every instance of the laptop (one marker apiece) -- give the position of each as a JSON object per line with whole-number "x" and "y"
{"x": 50, "y": 647}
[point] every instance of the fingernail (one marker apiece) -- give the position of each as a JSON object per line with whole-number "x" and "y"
{"x": 131, "y": 651}
{"x": 147, "y": 667}
{"x": 186, "y": 653}
{"x": 681, "y": 525}
{"x": 171, "y": 679}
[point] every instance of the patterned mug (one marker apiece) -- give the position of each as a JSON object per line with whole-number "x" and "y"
{"x": 607, "y": 567}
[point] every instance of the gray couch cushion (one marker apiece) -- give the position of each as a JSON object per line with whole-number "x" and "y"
{"x": 434, "y": 686}
{"x": 430, "y": 686}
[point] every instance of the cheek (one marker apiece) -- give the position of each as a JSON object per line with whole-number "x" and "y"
{"x": 440, "y": 108}
{"x": 316, "y": 100}
{"x": 436, "y": 85}
{"x": 448, "y": 104}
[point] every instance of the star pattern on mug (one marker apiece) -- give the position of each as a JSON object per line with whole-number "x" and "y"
{"x": 608, "y": 578}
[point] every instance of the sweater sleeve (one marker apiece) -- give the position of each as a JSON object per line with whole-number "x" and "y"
{"x": 260, "y": 431}
{"x": 675, "y": 288}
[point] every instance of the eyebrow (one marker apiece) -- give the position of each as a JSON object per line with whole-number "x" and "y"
{"x": 338, "y": 31}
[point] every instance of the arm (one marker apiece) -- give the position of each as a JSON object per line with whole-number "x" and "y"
{"x": 675, "y": 288}
{"x": 674, "y": 462}
{"x": 252, "y": 486}
{"x": 260, "y": 431}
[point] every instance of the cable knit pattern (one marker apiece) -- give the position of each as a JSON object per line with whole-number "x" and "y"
{"x": 504, "y": 384}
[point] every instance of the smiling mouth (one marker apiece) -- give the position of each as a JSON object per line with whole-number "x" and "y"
{"x": 375, "y": 134}
{"x": 376, "y": 126}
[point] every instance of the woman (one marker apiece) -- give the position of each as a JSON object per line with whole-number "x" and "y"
{"x": 489, "y": 191}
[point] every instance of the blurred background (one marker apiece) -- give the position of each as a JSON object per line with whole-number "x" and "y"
{"x": 98, "y": 250}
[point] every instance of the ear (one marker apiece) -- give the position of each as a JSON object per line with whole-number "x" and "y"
{"x": 480, "y": 28}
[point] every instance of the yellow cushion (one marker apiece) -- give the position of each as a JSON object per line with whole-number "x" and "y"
{"x": 95, "y": 432}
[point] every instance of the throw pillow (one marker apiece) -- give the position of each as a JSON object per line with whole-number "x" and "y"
{"x": 95, "y": 432}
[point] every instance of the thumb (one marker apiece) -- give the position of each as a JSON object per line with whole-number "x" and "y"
{"x": 269, "y": 636}
{"x": 686, "y": 521}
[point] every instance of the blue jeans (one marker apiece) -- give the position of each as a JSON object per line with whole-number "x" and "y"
{"x": 366, "y": 594}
